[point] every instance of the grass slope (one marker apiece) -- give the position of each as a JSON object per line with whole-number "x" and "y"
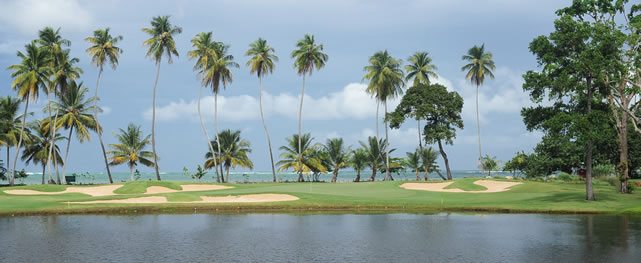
{"x": 466, "y": 184}
{"x": 352, "y": 197}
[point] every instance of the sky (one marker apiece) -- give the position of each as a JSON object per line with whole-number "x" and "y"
{"x": 336, "y": 104}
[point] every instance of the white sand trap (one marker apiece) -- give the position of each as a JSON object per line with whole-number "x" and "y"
{"x": 492, "y": 186}
{"x": 103, "y": 190}
{"x": 253, "y": 198}
{"x": 186, "y": 188}
{"x": 137, "y": 200}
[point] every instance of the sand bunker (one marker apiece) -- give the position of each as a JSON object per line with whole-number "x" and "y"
{"x": 492, "y": 186}
{"x": 186, "y": 188}
{"x": 252, "y": 198}
{"x": 103, "y": 190}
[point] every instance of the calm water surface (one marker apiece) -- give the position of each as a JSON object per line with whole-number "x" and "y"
{"x": 321, "y": 238}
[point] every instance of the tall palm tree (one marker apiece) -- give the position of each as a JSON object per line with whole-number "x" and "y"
{"x": 130, "y": 149}
{"x": 217, "y": 71}
{"x": 103, "y": 50}
{"x": 307, "y": 56}
{"x": 428, "y": 159}
{"x": 75, "y": 111}
{"x": 413, "y": 161}
{"x": 359, "y": 162}
{"x": 338, "y": 156}
{"x": 375, "y": 149}
{"x": 479, "y": 65}
{"x": 30, "y": 75}
{"x": 234, "y": 152}
{"x": 261, "y": 62}
{"x": 290, "y": 158}
{"x": 37, "y": 151}
{"x": 385, "y": 82}
{"x": 160, "y": 43}
{"x": 10, "y": 128}
{"x": 203, "y": 52}
{"x": 419, "y": 70}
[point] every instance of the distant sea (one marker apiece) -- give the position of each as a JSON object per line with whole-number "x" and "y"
{"x": 251, "y": 176}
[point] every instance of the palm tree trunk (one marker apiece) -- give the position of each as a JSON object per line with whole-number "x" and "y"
{"x": 202, "y": 125}
{"x": 334, "y": 175}
{"x": 445, "y": 160}
{"x": 95, "y": 115}
{"x": 374, "y": 170}
{"x": 52, "y": 131}
{"x": 51, "y": 135}
{"x": 300, "y": 125}
{"x": 589, "y": 192}
{"x": 427, "y": 173}
{"x": 131, "y": 173}
{"x": 478, "y": 123}
{"x": 420, "y": 140}
{"x": 8, "y": 163}
{"x": 220, "y": 170}
{"x": 417, "y": 178}
{"x": 153, "y": 123}
{"x": 358, "y": 176}
{"x": 377, "y": 120}
{"x": 388, "y": 175}
{"x": 227, "y": 171}
{"x": 64, "y": 165}
{"x": 12, "y": 179}
{"x": 262, "y": 117}
{"x": 44, "y": 166}
{"x": 216, "y": 130}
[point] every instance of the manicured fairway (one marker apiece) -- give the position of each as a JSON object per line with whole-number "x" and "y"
{"x": 349, "y": 197}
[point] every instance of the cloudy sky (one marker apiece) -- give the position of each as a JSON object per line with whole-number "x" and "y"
{"x": 335, "y": 102}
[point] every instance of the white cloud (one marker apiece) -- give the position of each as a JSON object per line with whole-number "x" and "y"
{"x": 352, "y": 102}
{"x": 28, "y": 16}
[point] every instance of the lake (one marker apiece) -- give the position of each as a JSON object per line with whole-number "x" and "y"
{"x": 321, "y": 238}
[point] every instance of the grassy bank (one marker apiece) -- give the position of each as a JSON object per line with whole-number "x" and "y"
{"x": 535, "y": 197}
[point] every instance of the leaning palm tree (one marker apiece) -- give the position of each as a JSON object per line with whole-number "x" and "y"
{"x": 103, "y": 50}
{"x": 307, "y": 56}
{"x": 479, "y": 65}
{"x": 10, "y": 125}
{"x": 420, "y": 70}
{"x": 385, "y": 82}
{"x": 160, "y": 43}
{"x": 30, "y": 75}
{"x": 261, "y": 62}
{"x": 234, "y": 152}
{"x": 428, "y": 158}
{"x": 203, "y": 52}
{"x": 37, "y": 151}
{"x": 290, "y": 157}
{"x": 359, "y": 162}
{"x": 338, "y": 156}
{"x": 217, "y": 71}
{"x": 130, "y": 149}
{"x": 75, "y": 112}
{"x": 413, "y": 161}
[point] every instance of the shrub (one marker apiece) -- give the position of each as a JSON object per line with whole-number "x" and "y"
{"x": 602, "y": 170}
{"x": 631, "y": 188}
{"x": 566, "y": 177}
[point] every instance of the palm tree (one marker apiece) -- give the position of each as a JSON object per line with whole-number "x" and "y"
{"x": 375, "y": 149}
{"x": 234, "y": 152}
{"x": 103, "y": 50}
{"x": 359, "y": 162}
{"x": 307, "y": 56}
{"x": 30, "y": 75}
{"x": 10, "y": 128}
{"x": 160, "y": 43}
{"x": 203, "y": 52}
{"x": 130, "y": 149}
{"x": 218, "y": 71}
{"x": 419, "y": 70}
{"x": 385, "y": 82}
{"x": 75, "y": 111}
{"x": 338, "y": 156}
{"x": 413, "y": 161}
{"x": 291, "y": 157}
{"x": 479, "y": 64}
{"x": 428, "y": 158}
{"x": 489, "y": 164}
{"x": 261, "y": 62}
{"x": 38, "y": 150}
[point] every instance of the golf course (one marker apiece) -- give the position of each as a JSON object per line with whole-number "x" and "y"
{"x": 462, "y": 195}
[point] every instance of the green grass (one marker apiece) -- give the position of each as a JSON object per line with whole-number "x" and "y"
{"x": 539, "y": 197}
{"x": 466, "y": 184}
{"x": 140, "y": 187}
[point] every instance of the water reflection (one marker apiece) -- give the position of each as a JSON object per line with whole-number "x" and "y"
{"x": 322, "y": 238}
